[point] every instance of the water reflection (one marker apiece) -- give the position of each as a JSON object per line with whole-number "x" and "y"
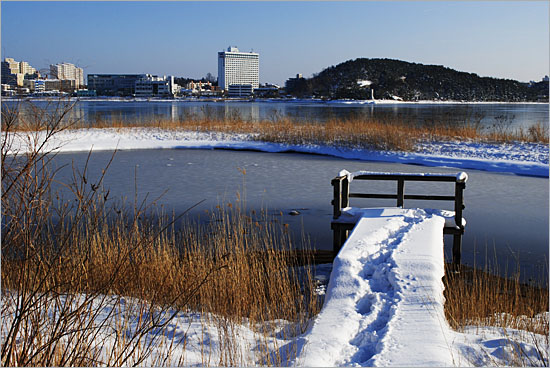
{"x": 510, "y": 116}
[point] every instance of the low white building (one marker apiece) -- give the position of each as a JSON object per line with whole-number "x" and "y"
{"x": 240, "y": 90}
{"x": 155, "y": 86}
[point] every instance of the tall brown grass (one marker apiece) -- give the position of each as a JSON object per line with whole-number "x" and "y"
{"x": 476, "y": 297}
{"x": 67, "y": 257}
{"x": 371, "y": 133}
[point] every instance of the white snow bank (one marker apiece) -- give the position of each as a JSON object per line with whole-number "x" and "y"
{"x": 520, "y": 158}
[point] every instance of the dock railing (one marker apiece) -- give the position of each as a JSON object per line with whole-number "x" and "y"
{"x": 342, "y": 195}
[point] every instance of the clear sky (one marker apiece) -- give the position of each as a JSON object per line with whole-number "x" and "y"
{"x": 507, "y": 39}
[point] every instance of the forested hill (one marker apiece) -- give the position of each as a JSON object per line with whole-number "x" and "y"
{"x": 411, "y": 81}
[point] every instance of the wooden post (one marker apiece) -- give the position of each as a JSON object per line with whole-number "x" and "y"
{"x": 457, "y": 237}
{"x": 337, "y": 200}
{"x": 336, "y": 240}
{"x": 457, "y": 249}
{"x": 400, "y": 192}
{"x": 459, "y": 203}
{"x": 343, "y": 237}
{"x": 345, "y": 192}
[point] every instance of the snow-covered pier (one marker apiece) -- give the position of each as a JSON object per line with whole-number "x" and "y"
{"x": 384, "y": 300}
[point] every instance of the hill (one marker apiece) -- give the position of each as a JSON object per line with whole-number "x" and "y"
{"x": 354, "y": 79}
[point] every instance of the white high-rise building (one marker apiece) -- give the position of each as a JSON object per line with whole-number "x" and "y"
{"x": 238, "y": 68}
{"x": 67, "y": 71}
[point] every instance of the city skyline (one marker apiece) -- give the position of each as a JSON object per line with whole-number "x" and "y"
{"x": 495, "y": 39}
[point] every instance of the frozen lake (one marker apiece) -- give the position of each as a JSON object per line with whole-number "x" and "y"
{"x": 507, "y": 215}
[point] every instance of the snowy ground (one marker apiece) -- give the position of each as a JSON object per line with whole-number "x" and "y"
{"x": 517, "y": 158}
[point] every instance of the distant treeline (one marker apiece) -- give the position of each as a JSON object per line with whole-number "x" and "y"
{"x": 411, "y": 81}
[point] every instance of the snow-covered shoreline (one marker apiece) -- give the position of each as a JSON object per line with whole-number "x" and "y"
{"x": 519, "y": 158}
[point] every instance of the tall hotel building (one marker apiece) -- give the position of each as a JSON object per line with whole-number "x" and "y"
{"x": 238, "y": 68}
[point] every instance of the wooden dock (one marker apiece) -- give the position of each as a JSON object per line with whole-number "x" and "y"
{"x": 341, "y": 225}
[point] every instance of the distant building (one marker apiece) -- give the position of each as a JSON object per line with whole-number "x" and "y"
{"x": 85, "y": 93}
{"x": 25, "y": 68}
{"x": 68, "y": 71}
{"x": 296, "y": 86}
{"x": 62, "y": 85}
{"x": 154, "y": 86}
{"x": 114, "y": 84}
{"x": 240, "y": 90}
{"x": 14, "y": 72}
{"x": 11, "y": 65}
{"x": 197, "y": 87}
{"x": 268, "y": 90}
{"x": 7, "y": 90}
{"x": 238, "y": 68}
{"x": 35, "y": 85}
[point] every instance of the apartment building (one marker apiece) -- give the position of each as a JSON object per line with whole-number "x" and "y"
{"x": 68, "y": 71}
{"x": 238, "y": 68}
{"x": 14, "y": 72}
{"x": 35, "y": 85}
{"x": 25, "y": 68}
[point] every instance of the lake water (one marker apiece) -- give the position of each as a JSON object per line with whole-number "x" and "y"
{"x": 501, "y": 115}
{"x": 507, "y": 215}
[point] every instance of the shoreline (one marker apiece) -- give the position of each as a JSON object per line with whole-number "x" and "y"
{"x": 525, "y": 159}
{"x": 273, "y": 100}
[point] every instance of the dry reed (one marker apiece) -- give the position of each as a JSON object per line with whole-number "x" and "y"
{"x": 475, "y": 297}
{"x": 387, "y": 133}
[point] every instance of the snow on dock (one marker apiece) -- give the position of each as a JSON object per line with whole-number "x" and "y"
{"x": 384, "y": 301}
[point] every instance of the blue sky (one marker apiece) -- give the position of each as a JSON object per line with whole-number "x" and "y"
{"x": 498, "y": 39}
